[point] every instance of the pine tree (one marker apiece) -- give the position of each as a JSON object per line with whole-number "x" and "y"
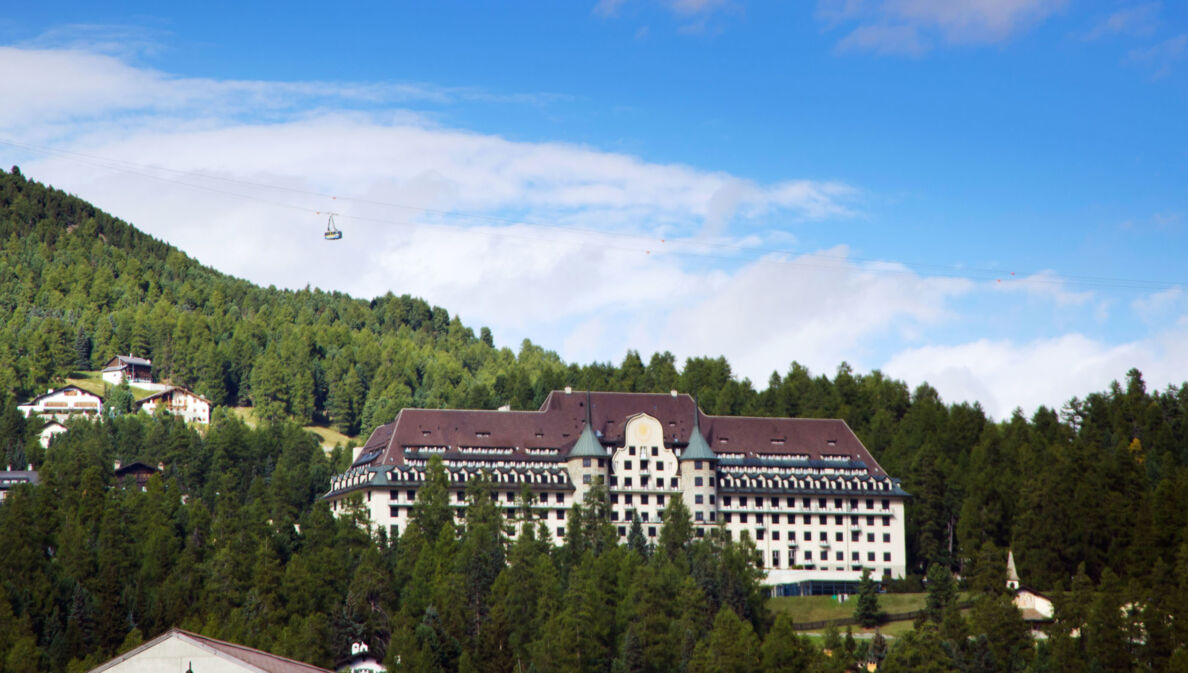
{"x": 867, "y": 610}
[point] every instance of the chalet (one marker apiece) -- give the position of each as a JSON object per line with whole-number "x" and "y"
{"x": 10, "y": 478}
{"x": 63, "y": 403}
{"x": 192, "y": 407}
{"x": 123, "y": 368}
{"x": 138, "y": 472}
{"x": 51, "y": 430}
{"x": 178, "y": 650}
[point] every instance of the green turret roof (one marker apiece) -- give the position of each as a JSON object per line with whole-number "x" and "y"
{"x": 588, "y": 445}
{"x": 698, "y": 448}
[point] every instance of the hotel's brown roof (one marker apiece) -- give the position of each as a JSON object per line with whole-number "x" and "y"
{"x": 560, "y": 419}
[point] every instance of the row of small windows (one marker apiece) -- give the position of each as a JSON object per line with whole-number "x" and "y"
{"x": 806, "y": 503}
{"x": 870, "y": 558}
{"x": 841, "y": 556}
{"x": 760, "y": 534}
{"x": 823, "y": 519}
{"x": 510, "y": 496}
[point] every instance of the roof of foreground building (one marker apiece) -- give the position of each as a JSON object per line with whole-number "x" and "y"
{"x": 175, "y": 648}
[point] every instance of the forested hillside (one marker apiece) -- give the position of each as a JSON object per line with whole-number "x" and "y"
{"x": 1094, "y": 492}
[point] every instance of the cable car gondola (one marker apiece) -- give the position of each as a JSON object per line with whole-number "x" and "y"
{"x": 332, "y": 232}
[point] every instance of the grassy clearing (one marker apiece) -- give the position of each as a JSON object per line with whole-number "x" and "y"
{"x": 328, "y": 436}
{"x": 93, "y": 382}
{"x": 816, "y": 608}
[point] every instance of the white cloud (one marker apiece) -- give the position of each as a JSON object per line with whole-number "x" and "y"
{"x": 1007, "y": 374}
{"x": 1135, "y": 20}
{"x": 912, "y": 26}
{"x": 1046, "y": 285}
{"x": 1160, "y": 58}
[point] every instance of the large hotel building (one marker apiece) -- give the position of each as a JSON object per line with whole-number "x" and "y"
{"x": 816, "y": 503}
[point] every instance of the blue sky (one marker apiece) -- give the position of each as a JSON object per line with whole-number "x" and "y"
{"x": 986, "y": 194}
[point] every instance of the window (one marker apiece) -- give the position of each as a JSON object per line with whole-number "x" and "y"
{"x": 393, "y": 532}
{"x": 643, "y": 499}
{"x": 870, "y": 556}
{"x": 698, "y": 481}
{"x": 870, "y": 537}
{"x": 461, "y": 496}
{"x": 651, "y": 531}
{"x": 393, "y": 495}
{"x": 699, "y": 516}
{"x": 659, "y": 500}
{"x": 614, "y": 498}
{"x": 791, "y": 536}
{"x": 870, "y": 503}
{"x": 854, "y": 556}
{"x": 511, "y": 497}
{"x": 870, "y": 520}
{"x": 560, "y": 516}
{"x": 791, "y": 502}
{"x": 886, "y": 557}
{"x": 673, "y": 483}
{"x": 775, "y": 559}
{"x": 821, "y": 503}
{"x": 839, "y": 556}
{"x": 711, "y": 481}
{"x": 631, "y": 450}
{"x": 627, "y": 498}
{"x": 622, "y": 531}
{"x": 643, "y": 465}
{"x": 823, "y": 536}
{"x": 601, "y": 463}
{"x": 699, "y": 499}
{"x": 713, "y": 499}
{"x": 742, "y": 517}
{"x": 808, "y": 554}
{"x": 886, "y": 504}
{"x": 886, "y": 537}
{"x": 614, "y": 515}
{"x": 560, "y": 531}
{"x": 626, "y": 482}
{"x": 713, "y": 516}
{"x": 697, "y": 465}
{"x": 560, "y": 497}
{"x": 412, "y": 495}
{"x": 886, "y": 522}
{"x": 775, "y": 534}
{"x": 837, "y": 536}
{"x": 792, "y": 519}
{"x": 585, "y": 478}
{"x": 727, "y": 515}
{"x": 807, "y": 503}
{"x": 645, "y": 516}
{"x": 759, "y": 533}
{"x": 643, "y": 481}
{"x": 614, "y": 481}
{"x": 854, "y": 503}
{"x": 659, "y": 465}
{"x": 393, "y": 511}
{"x": 726, "y": 500}
{"x": 839, "y": 520}
{"x": 627, "y": 465}
{"x": 854, "y": 536}
{"x": 585, "y": 462}
{"x": 853, "y": 521}
{"x": 655, "y": 451}
{"x": 775, "y": 519}
{"x": 837, "y": 502}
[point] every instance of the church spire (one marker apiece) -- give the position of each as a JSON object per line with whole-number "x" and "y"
{"x": 697, "y": 448}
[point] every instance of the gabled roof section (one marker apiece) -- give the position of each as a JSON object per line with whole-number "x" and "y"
{"x": 121, "y": 361}
{"x": 168, "y": 392}
{"x": 251, "y": 659}
{"x": 63, "y": 388}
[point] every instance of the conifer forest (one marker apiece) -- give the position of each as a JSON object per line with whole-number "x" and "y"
{"x": 232, "y": 540}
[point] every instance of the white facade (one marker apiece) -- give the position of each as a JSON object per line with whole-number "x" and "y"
{"x": 63, "y": 403}
{"x": 192, "y": 407}
{"x": 819, "y": 516}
